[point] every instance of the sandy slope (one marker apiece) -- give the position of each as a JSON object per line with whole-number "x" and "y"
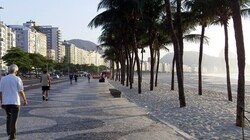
{"x": 210, "y": 116}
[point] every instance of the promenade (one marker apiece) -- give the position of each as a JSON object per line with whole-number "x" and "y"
{"x": 85, "y": 111}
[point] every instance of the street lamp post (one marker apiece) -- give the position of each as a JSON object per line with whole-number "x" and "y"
{"x": 68, "y": 57}
{"x": 47, "y": 66}
{"x": 96, "y": 62}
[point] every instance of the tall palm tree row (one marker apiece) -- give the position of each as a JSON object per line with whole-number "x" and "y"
{"x": 224, "y": 13}
{"x": 125, "y": 14}
{"x": 130, "y": 25}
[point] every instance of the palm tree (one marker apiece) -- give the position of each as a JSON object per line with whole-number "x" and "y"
{"x": 224, "y": 12}
{"x": 122, "y": 12}
{"x": 203, "y": 12}
{"x": 176, "y": 53}
{"x": 160, "y": 46}
{"x": 111, "y": 20}
{"x": 235, "y": 5}
{"x": 151, "y": 26}
{"x": 184, "y": 22}
{"x": 111, "y": 51}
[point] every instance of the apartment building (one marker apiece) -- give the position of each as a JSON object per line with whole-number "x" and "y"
{"x": 41, "y": 44}
{"x": 11, "y": 38}
{"x": 70, "y": 50}
{"x": 54, "y": 41}
{"x": 63, "y": 52}
{"x": 29, "y": 39}
{"x": 51, "y": 54}
{"x": 36, "y": 39}
{"x": 19, "y": 35}
{"x": 77, "y": 55}
{"x": 7, "y": 41}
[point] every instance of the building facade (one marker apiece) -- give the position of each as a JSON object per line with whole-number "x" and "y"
{"x": 77, "y": 55}
{"x": 70, "y": 52}
{"x": 54, "y": 41}
{"x": 7, "y": 41}
{"x": 41, "y": 44}
{"x": 29, "y": 39}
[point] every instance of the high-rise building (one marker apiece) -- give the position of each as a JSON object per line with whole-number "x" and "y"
{"x": 19, "y": 29}
{"x": 53, "y": 40}
{"x": 29, "y": 39}
{"x": 7, "y": 41}
{"x": 37, "y": 38}
{"x": 74, "y": 54}
{"x": 63, "y": 52}
{"x": 41, "y": 41}
{"x": 70, "y": 52}
{"x": 11, "y": 38}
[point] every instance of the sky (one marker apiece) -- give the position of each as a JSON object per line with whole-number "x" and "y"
{"x": 73, "y": 17}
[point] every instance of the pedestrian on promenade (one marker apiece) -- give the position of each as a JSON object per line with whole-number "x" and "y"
{"x": 88, "y": 77}
{"x": 75, "y": 76}
{"x": 46, "y": 81}
{"x": 11, "y": 88}
{"x": 71, "y": 77}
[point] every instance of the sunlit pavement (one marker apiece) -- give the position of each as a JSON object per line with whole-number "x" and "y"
{"x": 84, "y": 111}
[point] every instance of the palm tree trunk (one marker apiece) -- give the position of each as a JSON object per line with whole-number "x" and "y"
{"x": 138, "y": 69}
{"x": 122, "y": 69}
{"x": 200, "y": 59}
{"x": 157, "y": 67}
{"x": 152, "y": 67}
{"x": 117, "y": 77}
{"x": 241, "y": 62}
{"x": 133, "y": 72}
{"x": 127, "y": 66}
{"x": 142, "y": 51}
{"x": 131, "y": 65}
{"x": 180, "y": 33}
{"x": 135, "y": 49}
{"x": 177, "y": 54}
{"x": 172, "y": 79}
{"x": 229, "y": 92}
{"x": 112, "y": 70}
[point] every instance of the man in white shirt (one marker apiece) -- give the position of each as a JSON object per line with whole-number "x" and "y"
{"x": 11, "y": 88}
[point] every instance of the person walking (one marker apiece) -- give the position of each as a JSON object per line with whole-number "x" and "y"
{"x": 46, "y": 81}
{"x": 71, "y": 78}
{"x": 75, "y": 76}
{"x": 88, "y": 77}
{"x": 11, "y": 88}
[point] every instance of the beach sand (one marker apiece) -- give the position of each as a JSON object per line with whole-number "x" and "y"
{"x": 207, "y": 117}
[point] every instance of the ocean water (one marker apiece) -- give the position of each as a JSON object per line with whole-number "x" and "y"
{"x": 218, "y": 82}
{"x": 233, "y": 76}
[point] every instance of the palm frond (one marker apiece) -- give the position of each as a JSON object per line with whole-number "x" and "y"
{"x": 195, "y": 38}
{"x": 245, "y": 12}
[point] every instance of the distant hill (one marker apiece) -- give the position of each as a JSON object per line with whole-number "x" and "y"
{"x": 191, "y": 59}
{"x": 84, "y": 44}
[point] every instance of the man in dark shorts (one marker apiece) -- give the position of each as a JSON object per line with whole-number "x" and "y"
{"x": 45, "y": 80}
